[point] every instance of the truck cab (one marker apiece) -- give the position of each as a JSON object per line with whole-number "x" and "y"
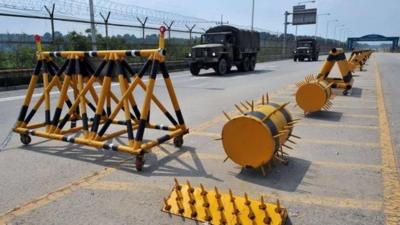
{"x": 223, "y": 47}
{"x": 306, "y": 49}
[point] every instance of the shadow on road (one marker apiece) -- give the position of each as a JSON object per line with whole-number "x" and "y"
{"x": 280, "y": 177}
{"x": 155, "y": 165}
{"x": 325, "y": 115}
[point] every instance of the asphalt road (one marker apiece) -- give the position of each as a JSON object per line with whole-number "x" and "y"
{"x": 342, "y": 171}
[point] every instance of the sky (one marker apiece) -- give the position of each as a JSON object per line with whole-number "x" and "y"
{"x": 355, "y": 17}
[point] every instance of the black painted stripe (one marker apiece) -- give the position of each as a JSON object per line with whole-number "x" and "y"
{"x": 22, "y": 113}
{"x": 270, "y": 124}
{"x": 64, "y": 121}
{"x": 129, "y": 129}
{"x": 85, "y": 122}
{"x": 154, "y": 68}
{"x": 96, "y": 122}
{"x": 140, "y": 131}
{"x": 56, "y": 116}
{"x": 104, "y": 127}
{"x": 161, "y": 127}
{"x": 285, "y": 113}
{"x": 68, "y": 139}
{"x": 136, "y": 111}
{"x": 110, "y": 68}
{"x": 164, "y": 70}
{"x": 180, "y": 117}
{"x": 47, "y": 117}
{"x": 170, "y": 118}
{"x": 30, "y": 116}
{"x": 335, "y": 58}
{"x": 347, "y": 78}
{"x": 163, "y": 139}
{"x": 100, "y": 68}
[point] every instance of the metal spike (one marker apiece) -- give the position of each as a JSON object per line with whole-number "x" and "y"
{"x": 239, "y": 109}
{"x": 262, "y": 205}
{"x": 238, "y": 221}
{"x": 244, "y": 105}
{"x": 181, "y": 210}
{"x": 291, "y": 141}
{"x": 279, "y": 135}
{"x": 267, "y": 96}
{"x": 226, "y": 115}
{"x": 287, "y": 146}
{"x": 207, "y": 216}
{"x": 278, "y": 206}
{"x": 251, "y": 215}
{"x": 190, "y": 188}
{"x": 262, "y": 100}
{"x": 288, "y": 127}
{"x": 206, "y": 203}
{"x": 223, "y": 218}
{"x": 267, "y": 219}
{"x": 226, "y": 159}
{"x": 203, "y": 191}
{"x": 167, "y": 206}
{"x": 235, "y": 208}
{"x": 295, "y": 136}
{"x": 194, "y": 212}
{"x": 263, "y": 171}
{"x": 231, "y": 196}
{"x": 217, "y": 194}
{"x": 248, "y": 103}
{"x": 252, "y": 105}
{"x": 246, "y": 202}
{"x": 177, "y": 185}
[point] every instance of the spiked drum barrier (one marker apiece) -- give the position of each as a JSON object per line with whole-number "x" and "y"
{"x": 92, "y": 113}
{"x": 313, "y": 95}
{"x": 258, "y": 136}
{"x": 358, "y": 58}
{"x": 214, "y": 207}
{"x": 337, "y": 55}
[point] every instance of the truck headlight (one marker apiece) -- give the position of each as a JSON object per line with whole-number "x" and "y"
{"x": 190, "y": 54}
{"x": 294, "y": 51}
{"x": 213, "y": 54}
{"x": 308, "y": 51}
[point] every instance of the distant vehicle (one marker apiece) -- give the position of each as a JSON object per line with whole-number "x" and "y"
{"x": 306, "y": 48}
{"x": 223, "y": 47}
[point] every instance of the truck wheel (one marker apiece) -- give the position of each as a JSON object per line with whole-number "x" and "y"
{"x": 253, "y": 62}
{"x": 295, "y": 59}
{"x": 194, "y": 69}
{"x": 222, "y": 67}
{"x": 246, "y": 64}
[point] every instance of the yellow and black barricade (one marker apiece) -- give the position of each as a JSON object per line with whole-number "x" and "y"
{"x": 90, "y": 112}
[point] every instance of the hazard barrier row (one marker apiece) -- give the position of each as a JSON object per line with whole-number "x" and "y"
{"x": 315, "y": 93}
{"x": 93, "y": 114}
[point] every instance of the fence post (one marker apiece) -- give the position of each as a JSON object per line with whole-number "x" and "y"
{"x": 51, "y": 15}
{"x": 169, "y": 28}
{"x": 106, "y": 26}
{"x": 190, "y": 29}
{"x": 143, "y": 25}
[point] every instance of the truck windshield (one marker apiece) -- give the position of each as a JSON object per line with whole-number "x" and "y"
{"x": 213, "y": 38}
{"x": 304, "y": 44}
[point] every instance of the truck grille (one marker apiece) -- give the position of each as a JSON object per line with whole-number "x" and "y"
{"x": 202, "y": 52}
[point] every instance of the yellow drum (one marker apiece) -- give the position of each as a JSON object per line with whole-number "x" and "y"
{"x": 253, "y": 139}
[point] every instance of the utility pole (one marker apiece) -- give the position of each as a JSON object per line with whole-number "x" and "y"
{"x": 92, "y": 26}
{"x": 316, "y": 23}
{"x": 252, "y": 16}
{"x": 327, "y": 29}
{"x": 285, "y": 33}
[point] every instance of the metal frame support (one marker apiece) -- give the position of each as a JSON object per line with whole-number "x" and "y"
{"x": 106, "y": 26}
{"x": 51, "y": 17}
{"x": 190, "y": 29}
{"x": 143, "y": 25}
{"x": 285, "y": 32}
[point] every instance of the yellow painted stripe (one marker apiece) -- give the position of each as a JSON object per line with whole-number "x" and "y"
{"x": 307, "y": 141}
{"x": 391, "y": 180}
{"x": 335, "y": 125}
{"x": 333, "y": 202}
{"x": 52, "y": 196}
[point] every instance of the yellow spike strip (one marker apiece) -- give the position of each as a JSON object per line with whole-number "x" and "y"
{"x": 239, "y": 109}
{"x": 226, "y": 115}
{"x": 244, "y": 105}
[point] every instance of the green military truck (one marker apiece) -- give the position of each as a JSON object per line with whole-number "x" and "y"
{"x": 223, "y": 47}
{"x": 306, "y": 49}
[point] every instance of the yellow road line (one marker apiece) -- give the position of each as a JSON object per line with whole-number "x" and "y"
{"x": 391, "y": 180}
{"x": 307, "y": 141}
{"x": 52, "y": 196}
{"x": 333, "y": 202}
{"x": 334, "y": 125}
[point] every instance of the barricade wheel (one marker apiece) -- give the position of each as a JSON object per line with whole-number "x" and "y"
{"x": 25, "y": 139}
{"x": 139, "y": 163}
{"x": 178, "y": 141}
{"x": 345, "y": 92}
